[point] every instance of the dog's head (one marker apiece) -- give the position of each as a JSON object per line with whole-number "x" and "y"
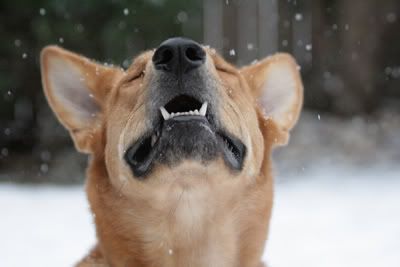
{"x": 179, "y": 115}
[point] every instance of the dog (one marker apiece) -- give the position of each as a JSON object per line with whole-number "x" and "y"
{"x": 180, "y": 150}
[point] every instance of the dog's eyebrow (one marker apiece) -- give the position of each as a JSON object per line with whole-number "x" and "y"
{"x": 140, "y": 61}
{"x": 137, "y": 67}
{"x": 221, "y": 65}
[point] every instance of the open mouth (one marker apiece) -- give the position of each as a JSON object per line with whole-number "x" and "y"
{"x": 193, "y": 130}
{"x": 183, "y": 106}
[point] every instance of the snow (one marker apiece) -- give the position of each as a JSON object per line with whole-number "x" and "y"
{"x": 298, "y": 17}
{"x": 337, "y": 218}
{"x": 43, "y": 225}
{"x": 42, "y": 11}
{"x": 321, "y": 218}
{"x": 391, "y": 17}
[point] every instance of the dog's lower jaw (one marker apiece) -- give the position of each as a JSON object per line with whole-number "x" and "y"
{"x": 222, "y": 233}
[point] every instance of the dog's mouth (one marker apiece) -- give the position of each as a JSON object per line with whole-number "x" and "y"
{"x": 185, "y": 129}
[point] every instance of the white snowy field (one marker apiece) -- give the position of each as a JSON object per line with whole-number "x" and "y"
{"x": 320, "y": 219}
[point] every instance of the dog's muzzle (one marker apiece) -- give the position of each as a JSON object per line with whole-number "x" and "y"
{"x": 186, "y": 125}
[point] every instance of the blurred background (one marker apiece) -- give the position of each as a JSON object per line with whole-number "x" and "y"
{"x": 349, "y": 52}
{"x": 348, "y": 136}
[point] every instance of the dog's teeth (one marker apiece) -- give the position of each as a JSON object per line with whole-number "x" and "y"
{"x": 165, "y": 113}
{"x": 203, "y": 109}
{"x": 202, "y": 112}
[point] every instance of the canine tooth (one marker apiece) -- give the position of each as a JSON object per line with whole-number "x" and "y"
{"x": 153, "y": 139}
{"x": 165, "y": 113}
{"x": 203, "y": 109}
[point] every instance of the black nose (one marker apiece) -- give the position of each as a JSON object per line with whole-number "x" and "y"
{"x": 178, "y": 56}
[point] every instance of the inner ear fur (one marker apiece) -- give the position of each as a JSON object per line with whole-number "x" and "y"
{"x": 76, "y": 89}
{"x": 276, "y": 84}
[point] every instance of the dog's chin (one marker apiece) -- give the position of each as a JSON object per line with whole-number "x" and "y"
{"x": 184, "y": 138}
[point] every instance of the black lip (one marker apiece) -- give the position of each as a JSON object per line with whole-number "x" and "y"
{"x": 140, "y": 163}
{"x": 233, "y": 149}
{"x": 171, "y": 146}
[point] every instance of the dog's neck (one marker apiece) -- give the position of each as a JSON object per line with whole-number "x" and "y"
{"x": 199, "y": 228}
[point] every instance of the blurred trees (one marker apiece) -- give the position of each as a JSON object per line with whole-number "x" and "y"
{"x": 108, "y": 31}
{"x": 349, "y": 52}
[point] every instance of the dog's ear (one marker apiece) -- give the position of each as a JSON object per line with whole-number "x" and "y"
{"x": 276, "y": 84}
{"x": 76, "y": 89}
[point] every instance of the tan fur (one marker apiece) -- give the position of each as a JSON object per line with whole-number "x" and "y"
{"x": 172, "y": 218}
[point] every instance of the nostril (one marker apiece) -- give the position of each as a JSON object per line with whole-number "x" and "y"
{"x": 195, "y": 54}
{"x": 178, "y": 56}
{"x": 162, "y": 58}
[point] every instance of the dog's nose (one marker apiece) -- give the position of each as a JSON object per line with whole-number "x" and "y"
{"x": 178, "y": 56}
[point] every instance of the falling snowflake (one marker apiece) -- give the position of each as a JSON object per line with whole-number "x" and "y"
{"x": 4, "y": 152}
{"x": 17, "y": 42}
{"x": 298, "y": 17}
{"x": 391, "y": 17}
{"x": 182, "y": 16}
{"x": 44, "y": 168}
{"x": 42, "y": 11}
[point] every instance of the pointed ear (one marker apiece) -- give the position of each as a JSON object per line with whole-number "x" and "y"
{"x": 276, "y": 84}
{"x": 76, "y": 89}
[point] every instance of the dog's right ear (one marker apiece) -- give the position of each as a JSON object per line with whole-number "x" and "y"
{"x": 76, "y": 89}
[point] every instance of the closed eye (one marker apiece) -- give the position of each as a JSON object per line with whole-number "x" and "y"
{"x": 224, "y": 70}
{"x": 135, "y": 77}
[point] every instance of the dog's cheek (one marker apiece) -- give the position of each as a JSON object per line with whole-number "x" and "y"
{"x": 254, "y": 140}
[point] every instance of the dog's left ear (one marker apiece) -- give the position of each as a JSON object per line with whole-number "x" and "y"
{"x": 76, "y": 89}
{"x": 276, "y": 84}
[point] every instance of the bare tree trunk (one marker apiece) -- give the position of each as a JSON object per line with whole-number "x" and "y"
{"x": 242, "y": 30}
{"x": 360, "y": 41}
{"x": 268, "y": 19}
{"x": 247, "y": 27}
{"x": 213, "y": 23}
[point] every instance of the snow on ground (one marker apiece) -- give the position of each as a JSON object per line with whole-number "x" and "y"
{"x": 320, "y": 219}
{"x": 336, "y": 219}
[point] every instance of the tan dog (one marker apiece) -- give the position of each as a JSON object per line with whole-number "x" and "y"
{"x": 180, "y": 146}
